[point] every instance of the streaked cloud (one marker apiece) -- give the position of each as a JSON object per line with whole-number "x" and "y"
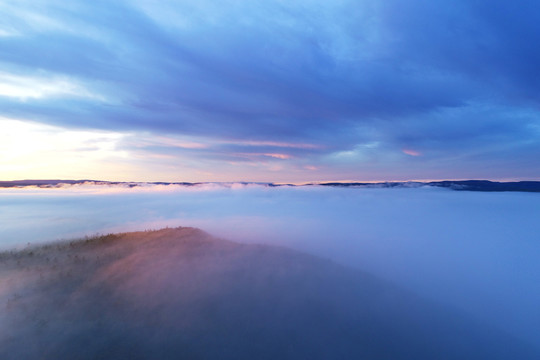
{"x": 24, "y": 88}
{"x": 309, "y": 79}
{"x": 272, "y": 144}
{"x": 411, "y": 152}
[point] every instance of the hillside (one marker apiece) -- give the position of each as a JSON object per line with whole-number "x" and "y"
{"x": 180, "y": 293}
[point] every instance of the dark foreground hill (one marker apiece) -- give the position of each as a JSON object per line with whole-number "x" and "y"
{"x": 181, "y": 294}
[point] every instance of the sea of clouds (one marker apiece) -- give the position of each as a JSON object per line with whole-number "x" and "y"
{"x": 474, "y": 251}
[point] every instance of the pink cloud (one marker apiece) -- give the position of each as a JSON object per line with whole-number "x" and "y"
{"x": 275, "y": 144}
{"x": 278, "y": 156}
{"x": 411, "y": 152}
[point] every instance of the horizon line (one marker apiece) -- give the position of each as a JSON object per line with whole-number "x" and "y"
{"x": 313, "y": 182}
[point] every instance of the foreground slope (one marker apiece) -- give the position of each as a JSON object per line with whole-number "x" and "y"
{"x": 181, "y": 294}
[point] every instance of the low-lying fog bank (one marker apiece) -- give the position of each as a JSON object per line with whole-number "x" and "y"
{"x": 180, "y": 293}
{"x": 474, "y": 251}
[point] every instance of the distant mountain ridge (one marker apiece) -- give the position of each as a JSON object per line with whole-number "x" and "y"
{"x": 463, "y": 185}
{"x": 460, "y": 185}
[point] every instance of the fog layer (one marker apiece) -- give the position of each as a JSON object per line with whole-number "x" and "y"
{"x": 179, "y": 293}
{"x": 474, "y": 251}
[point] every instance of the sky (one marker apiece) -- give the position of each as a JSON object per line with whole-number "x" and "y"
{"x": 280, "y": 91}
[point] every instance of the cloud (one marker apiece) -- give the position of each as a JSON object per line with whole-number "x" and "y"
{"x": 328, "y": 75}
{"x": 439, "y": 243}
{"x": 25, "y": 88}
{"x": 411, "y": 152}
{"x": 152, "y": 292}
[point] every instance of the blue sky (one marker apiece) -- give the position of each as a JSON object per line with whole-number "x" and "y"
{"x": 270, "y": 90}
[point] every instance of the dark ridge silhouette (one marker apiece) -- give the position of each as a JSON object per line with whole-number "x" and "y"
{"x": 370, "y": 185}
{"x": 22, "y": 183}
{"x": 182, "y": 294}
{"x": 466, "y": 185}
{"x": 486, "y": 185}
